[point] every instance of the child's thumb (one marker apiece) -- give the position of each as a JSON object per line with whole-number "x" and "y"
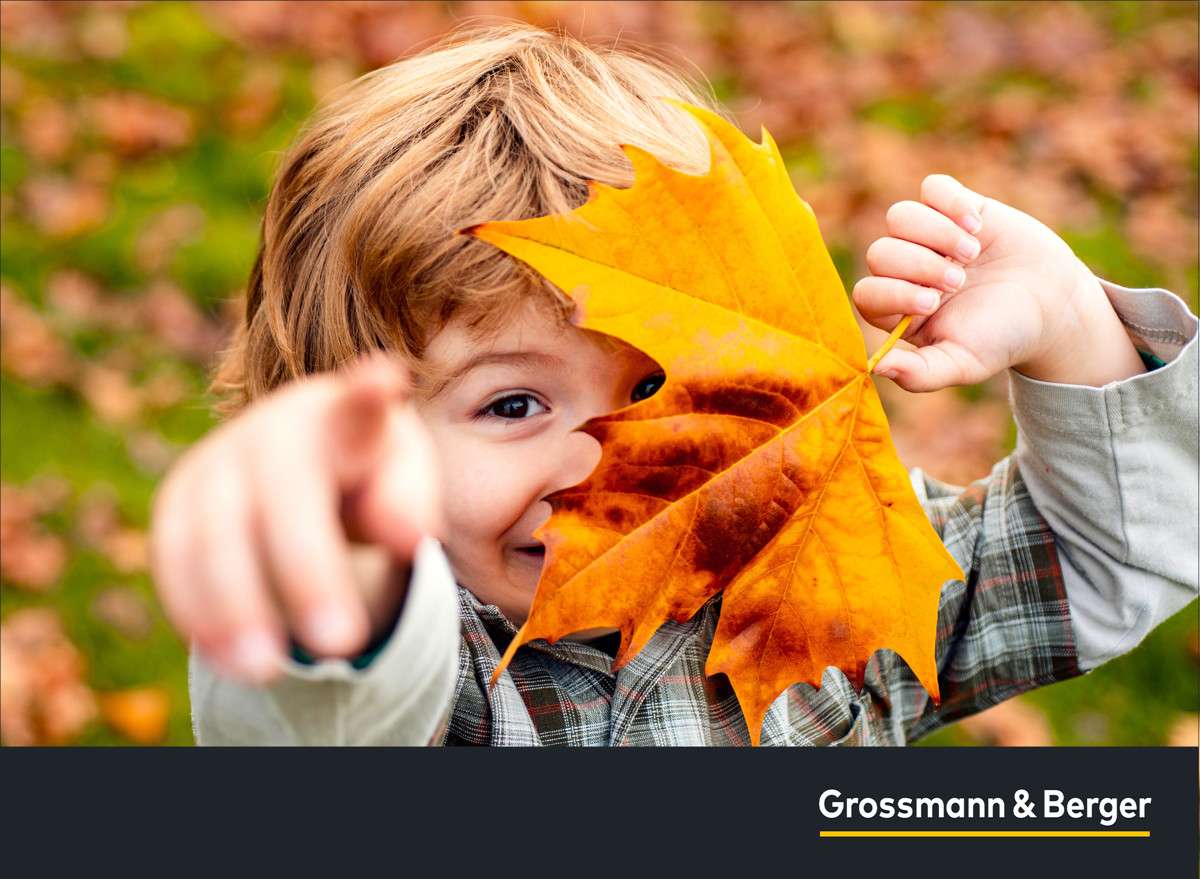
{"x": 920, "y": 369}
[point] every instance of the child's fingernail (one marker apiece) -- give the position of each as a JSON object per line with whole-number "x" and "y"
{"x": 955, "y": 277}
{"x": 887, "y": 373}
{"x": 972, "y": 223}
{"x": 330, "y": 628}
{"x": 968, "y": 248}
{"x": 927, "y": 301}
{"x": 254, "y": 654}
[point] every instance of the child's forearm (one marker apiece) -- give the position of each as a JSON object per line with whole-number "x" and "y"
{"x": 1094, "y": 348}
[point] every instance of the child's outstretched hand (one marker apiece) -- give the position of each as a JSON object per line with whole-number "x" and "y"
{"x": 991, "y": 288}
{"x": 297, "y": 517}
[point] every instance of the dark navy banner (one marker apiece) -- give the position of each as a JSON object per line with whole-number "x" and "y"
{"x": 982, "y": 811}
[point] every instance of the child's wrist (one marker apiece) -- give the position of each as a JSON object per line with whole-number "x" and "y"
{"x": 1085, "y": 342}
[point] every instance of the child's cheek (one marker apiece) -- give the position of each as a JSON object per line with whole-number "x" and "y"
{"x": 475, "y": 505}
{"x": 485, "y": 495}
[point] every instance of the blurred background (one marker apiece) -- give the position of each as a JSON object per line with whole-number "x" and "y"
{"x": 137, "y": 143}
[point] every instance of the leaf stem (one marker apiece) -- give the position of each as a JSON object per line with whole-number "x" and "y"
{"x": 890, "y": 343}
{"x": 517, "y": 641}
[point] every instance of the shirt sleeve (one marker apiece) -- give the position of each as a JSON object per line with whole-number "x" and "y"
{"x": 401, "y": 697}
{"x": 1079, "y": 543}
{"x": 1113, "y": 470}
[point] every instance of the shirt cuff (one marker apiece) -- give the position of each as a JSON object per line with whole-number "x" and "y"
{"x": 1161, "y": 327}
{"x": 429, "y": 571}
{"x": 361, "y": 661}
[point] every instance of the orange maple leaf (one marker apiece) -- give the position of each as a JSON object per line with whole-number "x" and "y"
{"x": 763, "y": 467}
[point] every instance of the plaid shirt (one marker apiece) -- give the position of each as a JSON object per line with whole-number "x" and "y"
{"x": 1003, "y": 630}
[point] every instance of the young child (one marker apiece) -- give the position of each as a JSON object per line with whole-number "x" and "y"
{"x": 350, "y": 555}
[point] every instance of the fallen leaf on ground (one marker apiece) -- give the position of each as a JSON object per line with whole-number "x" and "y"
{"x": 134, "y": 124}
{"x": 164, "y": 233}
{"x": 75, "y": 296}
{"x": 43, "y": 697}
{"x": 140, "y": 714}
{"x": 61, "y": 207}
{"x": 110, "y": 393}
{"x": 47, "y": 128}
{"x": 762, "y": 469}
{"x": 98, "y": 525}
{"x": 125, "y": 609}
{"x": 257, "y": 99}
{"x": 1012, "y": 724}
{"x": 173, "y": 317}
{"x": 1185, "y": 731}
{"x": 30, "y": 349}
{"x": 150, "y": 451}
{"x": 30, "y": 557}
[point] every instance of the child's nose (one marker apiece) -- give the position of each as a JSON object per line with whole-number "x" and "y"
{"x": 580, "y": 455}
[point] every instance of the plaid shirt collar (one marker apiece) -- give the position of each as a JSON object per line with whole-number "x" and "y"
{"x": 667, "y": 643}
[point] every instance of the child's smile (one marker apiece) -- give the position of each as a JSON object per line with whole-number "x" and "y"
{"x": 503, "y": 411}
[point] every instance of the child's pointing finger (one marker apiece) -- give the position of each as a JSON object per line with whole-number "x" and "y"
{"x": 399, "y": 502}
{"x": 358, "y": 416}
{"x": 383, "y": 459}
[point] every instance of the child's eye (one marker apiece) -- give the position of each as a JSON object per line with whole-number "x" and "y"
{"x": 648, "y": 386}
{"x": 513, "y": 407}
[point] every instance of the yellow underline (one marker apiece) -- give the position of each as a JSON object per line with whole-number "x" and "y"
{"x": 1126, "y": 833}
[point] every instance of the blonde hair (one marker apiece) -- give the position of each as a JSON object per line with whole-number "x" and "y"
{"x": 358, "y": 250}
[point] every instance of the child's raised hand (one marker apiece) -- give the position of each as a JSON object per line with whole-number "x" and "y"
{"x": 251, "y": 529}
{"x": 991, "y": 288}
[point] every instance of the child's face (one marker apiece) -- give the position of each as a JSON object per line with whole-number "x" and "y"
{"x": 504, "y": 426}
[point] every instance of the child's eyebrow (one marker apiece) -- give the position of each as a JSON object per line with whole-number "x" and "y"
{"x": 487, "y": 358}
